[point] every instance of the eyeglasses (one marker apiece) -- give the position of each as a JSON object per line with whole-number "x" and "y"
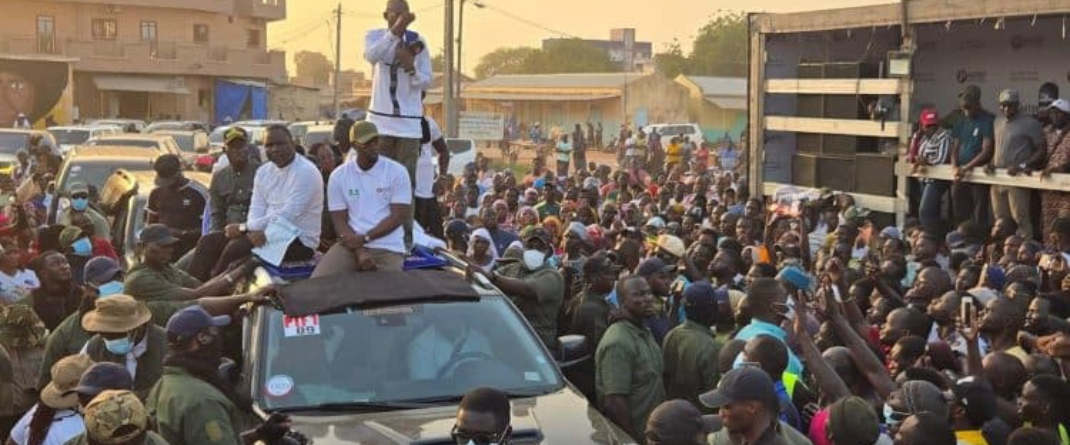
{"x": 461, "y": 437}
{"x": 80, "y": 196}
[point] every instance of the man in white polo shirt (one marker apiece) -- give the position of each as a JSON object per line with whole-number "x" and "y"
{"x": 368, "y": 198}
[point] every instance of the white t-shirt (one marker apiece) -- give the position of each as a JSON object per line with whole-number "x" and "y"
{"x": 294, "y": 193}
{"x": 13, "y": 288}
{"x": 367, "y": 195}
{"x": 425, "y": 165}
{"x": 66, "y": 425}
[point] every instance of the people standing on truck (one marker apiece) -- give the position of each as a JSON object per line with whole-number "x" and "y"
{"x": 933, "y": 148}
{"x": 1019, "y": 147}
{"x": 972, "y": 145}
{"x": 368, "y": 198}
{"x": 1054, "y": 203}
{"x": 402, "y": 72}
{"x": 178, "y": 203}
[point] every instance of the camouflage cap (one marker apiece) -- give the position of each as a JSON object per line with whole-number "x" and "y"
{"x": 115, "y": 417}
{"x": 20, "y": 327}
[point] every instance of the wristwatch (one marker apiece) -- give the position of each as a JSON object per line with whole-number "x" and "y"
{"x": 243, "y": 228}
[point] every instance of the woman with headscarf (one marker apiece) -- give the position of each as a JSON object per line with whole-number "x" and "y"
{"x": 552, "y": 225}
{"x": 481, "y": 250}
{"x": 913, "y": 397}
{"x": 527, "y": 216}
{"x": 505, "y": 218}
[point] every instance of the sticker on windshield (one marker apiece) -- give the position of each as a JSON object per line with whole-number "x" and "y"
{"x": 301, "y": 326}
{"x": 76, "y": 168}
{"x": 279, "y": 386}
{"x": 532, "y": 377}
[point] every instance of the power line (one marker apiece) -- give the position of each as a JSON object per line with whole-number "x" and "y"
{"x": 305, "y": 27}
{"x": 527, "y": 22}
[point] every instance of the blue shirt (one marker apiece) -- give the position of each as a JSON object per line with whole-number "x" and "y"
{"x": 971, "y": 133}
{"x": 758, "y": 327}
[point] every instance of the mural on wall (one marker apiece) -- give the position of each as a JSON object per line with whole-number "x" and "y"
{"x": 39, "y": 89}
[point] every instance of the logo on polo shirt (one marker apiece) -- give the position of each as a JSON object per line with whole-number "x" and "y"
{"x": 354, "y": 193}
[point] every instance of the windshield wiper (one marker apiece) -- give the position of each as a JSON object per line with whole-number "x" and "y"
{"x": 356, "y": 406}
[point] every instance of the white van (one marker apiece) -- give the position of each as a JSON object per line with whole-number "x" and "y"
{"x": 667, "y": 131}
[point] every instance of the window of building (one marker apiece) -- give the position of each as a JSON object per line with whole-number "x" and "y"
{"x": 105, "y": 29}
{"x": 148, "y": 31}
{"x": 252, "y": 39}
{"x": 46, "y": 34}
{"x": 200, "y": 33}
{"x": 203, "y": 98}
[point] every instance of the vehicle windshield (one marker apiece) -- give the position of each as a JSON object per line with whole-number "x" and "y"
{"x": 315, "y": 137}
{"x": 184, "y": 141}
{"x": 11, "y": 143}
{"x": 95, "y": 172}
{"x": 458, "y": 146}
{"x": 70, "y": 136}
{"x": 406, "y": 353}
{"x": 142, "y": 143}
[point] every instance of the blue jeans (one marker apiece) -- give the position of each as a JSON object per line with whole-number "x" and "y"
{"x": 932, "y": 196}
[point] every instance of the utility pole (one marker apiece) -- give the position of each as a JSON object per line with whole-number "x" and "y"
{"x": 449, "y": 102}
{"x": 337, "y": 59}
{"x": 460, "y": 43}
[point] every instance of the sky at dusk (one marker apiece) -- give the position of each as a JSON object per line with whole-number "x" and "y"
{"x": 310, "y": 23}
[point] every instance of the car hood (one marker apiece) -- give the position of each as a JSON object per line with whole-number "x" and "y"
{"x": 557, "y": 418}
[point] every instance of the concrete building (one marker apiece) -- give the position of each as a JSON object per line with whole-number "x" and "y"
{"x": 149, "y": 58}
{"x": 717, "y": 104}
{"x": 560, "y": 101}
{"x": 294, "y": 102}
{"x": 623, "y": 50}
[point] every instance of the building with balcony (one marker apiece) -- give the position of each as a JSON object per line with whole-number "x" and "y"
{"x": 149, "y": 59}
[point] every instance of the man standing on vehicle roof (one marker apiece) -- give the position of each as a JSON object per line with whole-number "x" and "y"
{"x": 628, "y": 361}
{"x": 231, "y": 192}
{"x": 368, "y": 198}
{"x": 177, "y": 202}
{"x": 79, "y": 195}
{"x": 535, "y": 287}
{"x": 402, "y": 73}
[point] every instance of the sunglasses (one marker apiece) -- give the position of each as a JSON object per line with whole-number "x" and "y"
{"x": 80, "y": 196}
{"x": 461, "y": 437}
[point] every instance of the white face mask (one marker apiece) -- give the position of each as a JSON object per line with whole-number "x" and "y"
{"x": 534, "y": 259}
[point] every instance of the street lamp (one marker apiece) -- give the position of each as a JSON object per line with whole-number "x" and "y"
{"x": 460, "y": 33}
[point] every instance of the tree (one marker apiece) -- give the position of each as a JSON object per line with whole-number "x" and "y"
{"x": 569, "y": 56}
{"x": 503, "y": 61}
{"x": 313, "y": 66}
{"x": 721, "y": 46}
{"x": 672, "y": 62}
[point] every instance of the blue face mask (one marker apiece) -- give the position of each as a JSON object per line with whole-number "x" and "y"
{"x": 80, "y": 204}
{"x": 111, "y": 288}
{"x": 82, "y": 247}
{"x": 120, "y": 346}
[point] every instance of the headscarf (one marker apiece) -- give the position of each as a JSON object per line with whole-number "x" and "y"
{"x": 523, "y": 210}
{"x": 483, "y": 233}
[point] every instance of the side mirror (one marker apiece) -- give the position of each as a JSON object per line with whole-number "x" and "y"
{"x": 572, "y": 350}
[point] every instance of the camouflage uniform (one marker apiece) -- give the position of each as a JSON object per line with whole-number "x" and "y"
{"x": 22, "y": 336}
{"x": 113, "y": 411}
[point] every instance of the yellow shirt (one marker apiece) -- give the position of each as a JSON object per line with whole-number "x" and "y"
{"x": 674, "y": 153}
{"x": 970, "y": 437}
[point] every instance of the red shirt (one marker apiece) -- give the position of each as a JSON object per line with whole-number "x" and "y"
{"x": 103, "y": 247}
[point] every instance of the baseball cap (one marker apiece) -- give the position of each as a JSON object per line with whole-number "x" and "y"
{"x": 235, "y": 133}
{"x": 115, "y": 417}
{"x": 191, "y": 321}
{"x": 599, "y": 263}
{"x": 362, "y": 132}
{"x": 1061, "y": 105}
{"x": 796, "y": 277}
{"x": 457, "y": 227}
{"x": 891, "y": 232}
{"x": 672, "y": 244}
{"x": 852, "y": 421}
{"x": 739, "y": 385}
{"x": 976, "y": 396}
{"x": 678, "y": 421}
{"x": 156, "y": 234}
{"x": 101, "y": 269}
{"x": 104, "y": 376}
{"x": 929, "y": 117}
{"x": 652, "y": 266}
{"x": 77, "y": 187}
{"x": 1009, "y": 96}
{"x": 955, "y": 240}
{"x": 701, "y": 293}
{"x": 971, "y": 94}
{"x": 578, "y": 230}
{"x": 536, "y": 233}
{"x": 167, "y": 165}
{"x": 656, "y": 222}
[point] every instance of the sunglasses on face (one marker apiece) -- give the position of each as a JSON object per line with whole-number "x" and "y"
{"x": 461, "y": 437}
{"x": 80, "y": 196}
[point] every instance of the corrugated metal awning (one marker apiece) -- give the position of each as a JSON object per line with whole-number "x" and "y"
{"x": 536, "y": 97}
{"x": 728, "y": 103}
{"x": 140, "y": 84}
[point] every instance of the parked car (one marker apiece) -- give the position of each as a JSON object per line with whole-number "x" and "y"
{"x": 462, "y": 153}
{"x": 138, "y": 125}
{"x": 162, "y": 144}
{"x": 71, "y": 136}
{"x": 381, "y": 374}
{"x": 667, "y": 131}
{"x": 176, "y": 125}
{"x": 256, "y": 136}
{"x": 14, "y": 140}
{"x": 93, "y": 165}
{"x": 317, "y": 134}
{"x": 298, "y": 129}
{"x": 123, "y": 198}
{"x": 192, "y": 143}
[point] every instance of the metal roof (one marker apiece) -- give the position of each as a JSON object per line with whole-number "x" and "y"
{"x": 534, "y": 97}
{"x": 728, "y": 103}
{"x": 718, "y": 86}
{"x": 565, "y": 80}
{"x": 138, "y": 83}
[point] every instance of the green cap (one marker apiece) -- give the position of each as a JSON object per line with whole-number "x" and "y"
{"x": 362, "y": 132}
{"x": 971, "y": 94}
{"x": 110, "y": 415}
